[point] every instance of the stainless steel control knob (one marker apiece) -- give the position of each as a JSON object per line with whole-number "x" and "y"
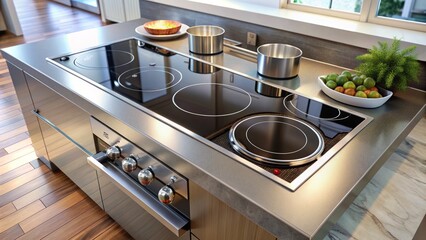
{"x": 113, "y": 152}
{"x": 146, "y": 176}
{"x": 167, "y": 194}
{"x": 129, "y": 164}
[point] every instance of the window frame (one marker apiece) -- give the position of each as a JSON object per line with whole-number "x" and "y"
{"x": 399, "y": 23}
{"x": 367, "y": 13}
{"x": 362, "y": 16}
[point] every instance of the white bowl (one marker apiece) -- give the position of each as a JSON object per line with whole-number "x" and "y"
{"x": 356, "y": 101}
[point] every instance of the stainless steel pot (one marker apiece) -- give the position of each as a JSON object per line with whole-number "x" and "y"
{"x": 205, "y": 39}
{"x": 277, "y": 60}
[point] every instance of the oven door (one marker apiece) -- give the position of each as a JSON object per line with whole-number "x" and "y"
{"x": 134, "y": 208}
{"x": 130, "y": 203}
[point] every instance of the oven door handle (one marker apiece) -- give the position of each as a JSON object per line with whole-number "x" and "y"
{"x": 175, "y": 222}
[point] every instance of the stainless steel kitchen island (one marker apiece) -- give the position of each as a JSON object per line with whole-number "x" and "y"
{"x": 307, "y": 212}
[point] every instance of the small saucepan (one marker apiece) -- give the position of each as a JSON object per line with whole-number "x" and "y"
{"x": 205, "y": 39}
{"x": 276, "y": 60}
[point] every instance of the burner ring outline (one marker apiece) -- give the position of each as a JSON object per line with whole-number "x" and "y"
{"x": 149, "y": 68}
{"x": 97, "y": 67}
{"x": 278, "y": 153}
{"x": 238, "y": 147}
{"x": 336, "y": 118}
{"x": 212, "y": 115}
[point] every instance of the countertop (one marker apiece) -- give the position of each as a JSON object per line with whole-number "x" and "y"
{"x": 312, "y": 209}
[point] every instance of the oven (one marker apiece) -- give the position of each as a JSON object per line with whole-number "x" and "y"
{"x": 146, "y": 197}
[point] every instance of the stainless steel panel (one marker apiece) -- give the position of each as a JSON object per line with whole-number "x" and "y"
{"x": 27, "y": 106}
{"x": 73, "y": 123}
{"x": 134, "y": 208}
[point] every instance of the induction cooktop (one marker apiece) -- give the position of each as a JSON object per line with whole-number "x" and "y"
{"x": 287, "y": 138}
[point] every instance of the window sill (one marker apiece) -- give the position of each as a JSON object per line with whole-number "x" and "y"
{"x": 349, "y": 32}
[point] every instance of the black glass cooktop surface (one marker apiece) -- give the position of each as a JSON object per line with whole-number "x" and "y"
{"x": 210, "y": 101}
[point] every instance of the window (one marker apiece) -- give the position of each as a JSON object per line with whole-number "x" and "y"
{"x": 349, "y": 9}
{"x": 409, "y": 14}
{"x": 342, "y": 5}
{"x": 413, "y": 10}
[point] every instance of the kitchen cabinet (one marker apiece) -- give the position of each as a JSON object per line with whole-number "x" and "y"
{"x": 119, "y": 10}
{"x": 213, "y": 219}
{"x": 26, "y": 103}
{"x": 67, "y": 136}
{"x": 60, "y": 131}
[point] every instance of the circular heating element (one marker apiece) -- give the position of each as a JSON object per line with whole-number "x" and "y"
{"x": 149, "y": 78}
{"x": 276, "y": 139}
{"x": 301, "y": 106}
{"x": 212, "y": 99}
{"x": 102, "y": 58}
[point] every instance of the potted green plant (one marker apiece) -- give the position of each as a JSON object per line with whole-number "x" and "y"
{"x": 391, "y": 67}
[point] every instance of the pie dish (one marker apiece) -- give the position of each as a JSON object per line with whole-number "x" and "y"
{"x": 141, "y": 30}
{"x": 162, "y": 27}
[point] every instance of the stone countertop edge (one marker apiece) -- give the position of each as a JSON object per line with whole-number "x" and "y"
{"x": 308, "y": 212}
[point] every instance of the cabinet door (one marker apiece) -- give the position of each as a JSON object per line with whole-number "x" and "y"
{"x": 213, "y": 219}
{"x": 26, "y": 103}
{"x": 74, "y": 127}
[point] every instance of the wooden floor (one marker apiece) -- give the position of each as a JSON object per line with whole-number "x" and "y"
{"x": 41, "y": 19}
{"x": 36, "y": 203}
